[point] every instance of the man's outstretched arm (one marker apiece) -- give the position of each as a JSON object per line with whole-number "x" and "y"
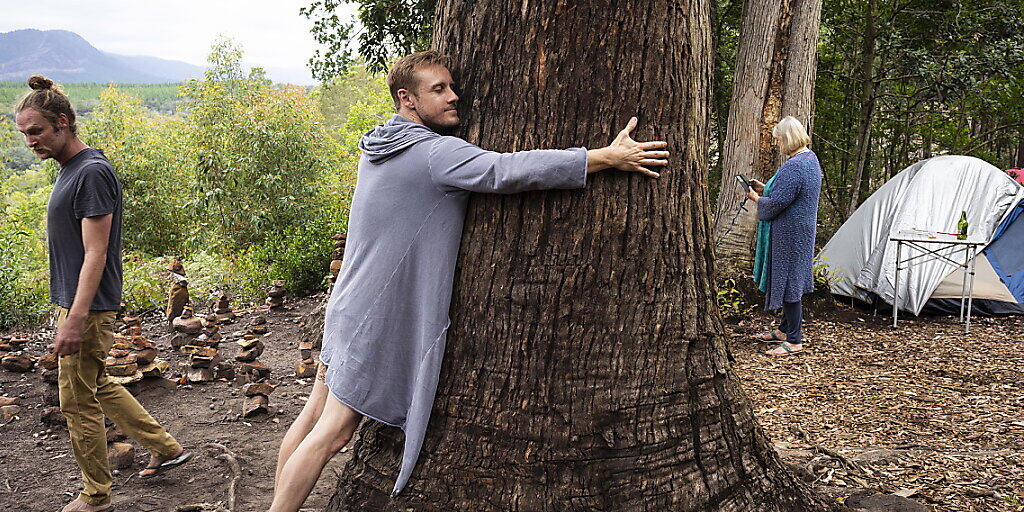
{"x": 457, "y": 164}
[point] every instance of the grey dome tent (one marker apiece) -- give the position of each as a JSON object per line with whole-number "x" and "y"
{"x": 930, "y": 195}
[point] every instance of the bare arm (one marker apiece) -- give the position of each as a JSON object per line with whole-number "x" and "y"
{"x": 626, "y": 154}
{"x": 95, "y": 236}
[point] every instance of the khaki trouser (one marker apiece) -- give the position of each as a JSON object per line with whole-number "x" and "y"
{"x": 86, "y": 395}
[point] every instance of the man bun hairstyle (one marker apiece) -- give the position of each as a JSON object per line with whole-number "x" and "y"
{"x": 48, "y": 100}
{"x": 403, "y": 73}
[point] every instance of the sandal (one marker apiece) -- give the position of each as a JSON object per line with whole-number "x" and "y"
{"x": 167, "y": 465}
{"x": 770, "y": 336}
{"x": 788, "y": 349}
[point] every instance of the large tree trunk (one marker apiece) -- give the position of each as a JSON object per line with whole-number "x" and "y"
{"x": 585, "y": 367}
{"x": 776, "y": 65}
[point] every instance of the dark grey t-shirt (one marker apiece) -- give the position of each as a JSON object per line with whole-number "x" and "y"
{"x": 86, "y": 187}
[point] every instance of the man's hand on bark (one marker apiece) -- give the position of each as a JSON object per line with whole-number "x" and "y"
{"x": 626, "y": 154}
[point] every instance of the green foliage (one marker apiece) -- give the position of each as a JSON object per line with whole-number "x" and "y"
{"x": 386, "y": 29}
{"x": 86, "y": 97}
{"x": 245, "y": 184}
{"x": 730, "y": 299}
{"x": 24, "y": 288}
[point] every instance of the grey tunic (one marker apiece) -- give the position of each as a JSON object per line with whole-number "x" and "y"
{"x": 792, "y": 209}
{"x": 384, "y": 333}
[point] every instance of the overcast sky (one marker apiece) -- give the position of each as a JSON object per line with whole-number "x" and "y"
{"x": 272, "y": 32}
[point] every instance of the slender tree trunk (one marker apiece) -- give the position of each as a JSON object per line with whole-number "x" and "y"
{"x": 776, "y": 65}
{"x": 1018, "y": 156}
{"x": 585, "y": 367}
{"x": 867, "y": 104}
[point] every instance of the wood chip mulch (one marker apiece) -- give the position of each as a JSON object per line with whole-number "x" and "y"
{"x": 923, "y": 411}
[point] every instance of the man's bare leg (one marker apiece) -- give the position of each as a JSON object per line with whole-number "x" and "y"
{"x": 304, "y": 422}
{"x": 331, "y": 433}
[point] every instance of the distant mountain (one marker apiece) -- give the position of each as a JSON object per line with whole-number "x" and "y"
{"x": 67, "y": 57}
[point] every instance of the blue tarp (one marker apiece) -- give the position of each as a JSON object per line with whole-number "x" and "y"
{"x": 1006, "y": 252}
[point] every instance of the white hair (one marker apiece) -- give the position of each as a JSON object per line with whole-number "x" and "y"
{"x": 791, "y": 134}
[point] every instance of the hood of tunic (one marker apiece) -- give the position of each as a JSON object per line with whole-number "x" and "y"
{"x": 393, "y": 137}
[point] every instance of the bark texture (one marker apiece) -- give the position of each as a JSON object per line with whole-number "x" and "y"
{"x": 585, "y": 367}
{"x": 776, "y": 66}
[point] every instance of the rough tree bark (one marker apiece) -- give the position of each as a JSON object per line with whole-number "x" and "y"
{"x": 776, "y": 66}
{"x": 585, "y": 367}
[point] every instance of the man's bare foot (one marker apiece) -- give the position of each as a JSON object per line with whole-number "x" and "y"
{"x": 79, "y": 505}
{"x": 775, "y": 335}
{"x": 155, "y": 461}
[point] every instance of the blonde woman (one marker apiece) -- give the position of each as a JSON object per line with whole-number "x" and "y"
{"x": 788, "y": 214}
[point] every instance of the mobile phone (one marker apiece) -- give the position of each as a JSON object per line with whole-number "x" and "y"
{"x": 743, "y": 181}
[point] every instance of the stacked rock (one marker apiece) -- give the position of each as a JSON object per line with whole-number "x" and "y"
{"x": 339, "y": 252}
{"x": 133, "y": 357}
{"x": 177, "y": 294}
{"x": 257, "y": 397}
{"x": 222, "y": 311}
{"x": 51, "y": 396}
{"x": 275, "y": 295}
{"x": 252, "y": 346}
{"x": 197, "y": 338}
{"x": 305, "y": 367}
{"x": 256, "y": 375}
{"x": 13, "y": 357}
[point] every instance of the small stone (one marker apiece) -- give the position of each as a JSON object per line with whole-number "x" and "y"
{"x": 51, "y": 396}
{"x": 114, "y": 434}
{"x": 254, "y": 405}
{"x": 255, "y": 370}
{"x": 251, "y": 353}
{"x": 201, "y": 375}
{"x": 180, "y": 340}
{"x": 146, "y": 356}
{"x": 50, "y": 376}
{"x": 9, "y": 400}
{"x": 195, "y": 350}
{"x": 48, "y": 361}
{"x": 305, "y": 368}
{"x": 53, "y": 416}
{"x": 120, "y": 455}
{"x": 258, "y": 388}
{"x": 123, "y": 370}
{"x": 18, "y": 362}
{"x": 10, "y": 411}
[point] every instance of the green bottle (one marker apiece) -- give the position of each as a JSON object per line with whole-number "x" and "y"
{"x": 961, "y": 227}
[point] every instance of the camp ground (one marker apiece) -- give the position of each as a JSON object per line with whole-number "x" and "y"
{"x": 930, "y": 196}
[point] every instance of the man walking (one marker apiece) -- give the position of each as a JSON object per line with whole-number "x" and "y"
{"x": 83, "y": 225}
{"x": 385, "y": 324}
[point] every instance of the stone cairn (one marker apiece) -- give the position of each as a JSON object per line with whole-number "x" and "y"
{"x": 133, "y": 357}
{"x": 275, "y": 295}
{"x": 198, "y": 338}
{"x": 177, "y": 295}
{"x": 221, "y": 308}
{"x": 339, "y": 252}
{"x": 253, "y": 373}
{"x": 13, "y": 358}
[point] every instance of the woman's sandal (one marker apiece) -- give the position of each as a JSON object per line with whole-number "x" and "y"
{"x": 167, "y": 464}
{"x": 770, "y": 337}
{"x": 788, "y": 349}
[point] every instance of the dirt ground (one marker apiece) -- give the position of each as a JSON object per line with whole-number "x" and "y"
{"x": 38, "y": 473}
{"x": 923, "y": 411}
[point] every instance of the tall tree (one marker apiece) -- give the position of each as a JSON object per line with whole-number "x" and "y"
{"x": 776, "y": 64}
{"x": 585, "y": 367}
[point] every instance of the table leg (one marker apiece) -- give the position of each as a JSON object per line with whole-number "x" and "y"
{"x": 963, "y": 285}
{"x": 970, "y": 291}
{"x": 896, "y": 285}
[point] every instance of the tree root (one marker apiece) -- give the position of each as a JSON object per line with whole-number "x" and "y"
{"x": 236, "y": 470}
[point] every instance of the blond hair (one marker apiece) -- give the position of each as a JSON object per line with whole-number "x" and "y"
{"x": 791, "y": 134}
{"x": 403, "y": 74}
{"x": 48, "y": 100}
